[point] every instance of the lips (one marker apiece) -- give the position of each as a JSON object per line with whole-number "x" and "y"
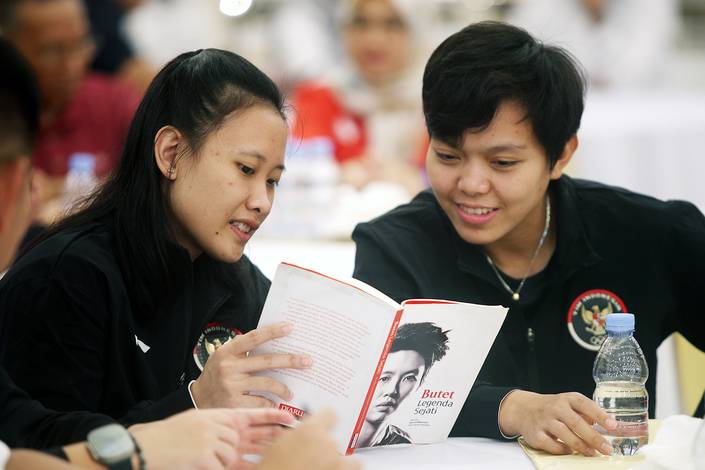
{"x": 243, "y": 228}
{"x": 475, "y": 215}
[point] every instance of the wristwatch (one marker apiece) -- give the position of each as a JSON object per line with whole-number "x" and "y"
{"x": 113, "y": 446}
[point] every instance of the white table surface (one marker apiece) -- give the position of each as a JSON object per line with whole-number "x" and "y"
{"x": 455, "y": 453}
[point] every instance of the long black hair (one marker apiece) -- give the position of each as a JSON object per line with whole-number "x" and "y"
{"x": 195, "y": 93}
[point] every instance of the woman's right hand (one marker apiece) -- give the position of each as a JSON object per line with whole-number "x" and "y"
{"x": 227, "y": 380}
{"x": 558, "y": 424}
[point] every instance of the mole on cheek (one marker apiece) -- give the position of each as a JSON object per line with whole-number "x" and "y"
{"x": 217, "y": 233}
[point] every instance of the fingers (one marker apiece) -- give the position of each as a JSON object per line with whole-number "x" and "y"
{"x": 589, "y": 408}
{"x": 267, "y": 385}
{"x": 274, "y": 361}
{"x": 254, "y": 401}
{"x": 226, "y": 454}
{"x": 325, "y": 419}
{"x": 265, "y": 416}
{"x": 243, "y": 343}
{"x": 263, "y": 434}
{"x": 567, "y": 434}
{"x": 544, "y": 441}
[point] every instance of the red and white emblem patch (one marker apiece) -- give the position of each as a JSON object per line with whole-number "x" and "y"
{"x": 586, "y": 317}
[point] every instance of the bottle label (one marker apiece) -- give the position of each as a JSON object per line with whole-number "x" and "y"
{"x": 587, "y": 313}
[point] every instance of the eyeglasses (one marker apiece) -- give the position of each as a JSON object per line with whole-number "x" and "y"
{"x": 361, "y": 24}
{"x": 55, "y": 54}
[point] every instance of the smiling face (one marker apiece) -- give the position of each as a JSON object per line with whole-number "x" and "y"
{"x": 493, "y": 188}
{"x": 402, "y": 373}
{"x": 219, "y": 197}
{"x": 378, "y": 40}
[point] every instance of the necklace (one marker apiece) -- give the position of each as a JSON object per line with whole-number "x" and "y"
{"x": 515, "y": 293}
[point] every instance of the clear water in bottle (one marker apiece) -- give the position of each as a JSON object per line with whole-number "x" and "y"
{"x": 628, "y": 404}
{"x": 620, "y": 372}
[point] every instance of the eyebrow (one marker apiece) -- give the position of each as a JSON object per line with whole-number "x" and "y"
{"x": 490, "y": 150}
{"x": 258, "y": 156}
{"x": 502, "y": 148}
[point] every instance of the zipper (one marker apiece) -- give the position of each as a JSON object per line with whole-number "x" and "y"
{"x": 533, "y": 365}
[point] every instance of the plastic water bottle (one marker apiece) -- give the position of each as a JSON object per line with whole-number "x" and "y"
{"x": 620, "y": 372}
{"x": 80, "y": 180}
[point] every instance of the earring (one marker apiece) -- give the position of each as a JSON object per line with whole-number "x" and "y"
{"x": 171, "y": 172}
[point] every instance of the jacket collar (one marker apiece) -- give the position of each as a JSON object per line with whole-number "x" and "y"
{"x": 573, "y": 247}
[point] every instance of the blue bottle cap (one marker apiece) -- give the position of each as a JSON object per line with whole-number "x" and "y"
{"x": 81, "y": 161}
{"x": 620, "y": 322}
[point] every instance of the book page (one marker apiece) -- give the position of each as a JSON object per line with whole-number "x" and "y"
{"x": 342, "y": 328}
{"x": 438, "y": 350}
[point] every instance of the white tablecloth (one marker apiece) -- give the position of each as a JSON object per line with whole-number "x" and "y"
{"x": 455, "y": 453}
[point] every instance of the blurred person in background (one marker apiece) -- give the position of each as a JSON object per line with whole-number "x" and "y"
{"x": 214, "y": 439}
{"x": 115, "y": 54}
{"x": 81, "y": 111}
{"x": 621, "y": 43}
{"x": 369, "y": 109}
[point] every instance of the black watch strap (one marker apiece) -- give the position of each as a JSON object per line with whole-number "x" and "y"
{"x": 140, "y": 456}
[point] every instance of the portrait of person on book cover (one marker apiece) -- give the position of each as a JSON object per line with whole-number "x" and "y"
{"x": 416, "y": 347}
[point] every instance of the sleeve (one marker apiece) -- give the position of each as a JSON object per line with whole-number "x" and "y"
{"x": 479, "y": 416}
{"x": 689, "y": 272}
{"x": 56, "y": 350}
{"x": 380, "y": 266}
{"x": 56, "y": 347}
{"x": 26, "y": 423}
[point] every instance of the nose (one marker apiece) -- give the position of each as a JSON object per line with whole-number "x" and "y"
{"x": 391, "y": 389}
{"x": 474, "y": 180}
{"x": 260, "y": 199}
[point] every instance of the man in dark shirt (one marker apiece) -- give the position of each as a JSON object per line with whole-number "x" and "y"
{"x": 503, "y": 225}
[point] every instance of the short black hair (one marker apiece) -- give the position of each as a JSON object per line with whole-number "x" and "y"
{"x": 485, "y": 64}
{"x": 426, "y": 338}
{"x": 19, "y": 105}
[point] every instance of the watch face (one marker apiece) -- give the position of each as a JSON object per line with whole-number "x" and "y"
{"x": 111, "y": 443}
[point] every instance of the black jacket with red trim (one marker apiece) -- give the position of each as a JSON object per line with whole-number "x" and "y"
{"x": 616, "y": 251}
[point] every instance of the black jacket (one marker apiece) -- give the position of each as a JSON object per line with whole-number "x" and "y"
{"x": 616, "y": 251}
{"x": 26, "y": 423}
{"x": 74, "y": 341}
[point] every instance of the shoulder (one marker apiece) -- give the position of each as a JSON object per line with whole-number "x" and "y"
{"x": 624, "y": 208}
{"x": 99, "y": 90}
{"x": 397, "y": 435}
{"x": 315, "y": 90}
{"x": 83, "y": 258}
{"x": 419, "y": 221}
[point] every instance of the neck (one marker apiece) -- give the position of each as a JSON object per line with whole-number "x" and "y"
{"x": 514, "y": 252}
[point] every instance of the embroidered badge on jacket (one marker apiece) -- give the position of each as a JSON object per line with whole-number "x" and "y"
{"x": 586, "y": 316}
{"x": 213, "y": 337}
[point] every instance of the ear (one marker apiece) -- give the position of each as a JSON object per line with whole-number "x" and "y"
{"x": 167, "y": 144}
{"x": 12, "y": 177}
{"x": 565, "y": 157}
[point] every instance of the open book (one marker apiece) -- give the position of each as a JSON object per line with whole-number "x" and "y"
{"x": 393, "y": 373}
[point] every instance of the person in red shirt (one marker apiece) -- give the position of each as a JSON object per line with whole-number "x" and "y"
{"x": 370, "y": 111}
{"x": 81, "y": 112}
